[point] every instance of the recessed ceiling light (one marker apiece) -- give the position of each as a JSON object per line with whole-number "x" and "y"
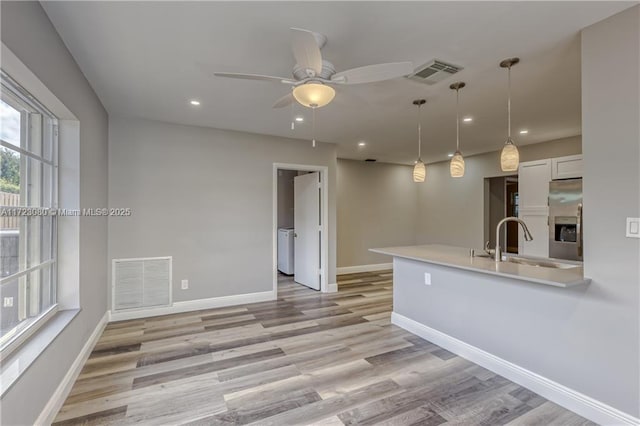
{"x": 362, "y": 143}
{"x": 467, "y": 119}
{"x": 450, "y": 154}
{"x": 194, "y": 102}
{"x": 299, "y": 119}
{"x": 524, "y": 132}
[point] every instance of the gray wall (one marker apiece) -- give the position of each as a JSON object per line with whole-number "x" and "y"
{"x": 611, "y": 146}
{"x": 285, "y": 198}
{"x": 29, "y": 34}
{"x": 203, "y": 196}
{"x": 452, "y": 211}
{"x": 586, "y": 338}
{"x": 377, "y": 207}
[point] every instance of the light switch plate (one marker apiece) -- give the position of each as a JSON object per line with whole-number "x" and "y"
{"x": 633, "y": 227}
{"x": 184, "y": 285}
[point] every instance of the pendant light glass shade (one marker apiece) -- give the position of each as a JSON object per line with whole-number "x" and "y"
{"x": 314, "y": 95}
{"x": 419, "y": 171}
{"x": 456, "y": 167}
{"x": 509, "y": 157}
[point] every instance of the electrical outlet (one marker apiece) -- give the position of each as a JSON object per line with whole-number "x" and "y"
{"x": 185, "y": 284}
{"x": 8, "y": 302}
{"x": 427, "y": 278}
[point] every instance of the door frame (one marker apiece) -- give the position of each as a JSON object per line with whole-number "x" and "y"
{"x": 324, "y": 227}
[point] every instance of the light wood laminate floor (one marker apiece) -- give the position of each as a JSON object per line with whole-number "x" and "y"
{"x": 307, "y": 358}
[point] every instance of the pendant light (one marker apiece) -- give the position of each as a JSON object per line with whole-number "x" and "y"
{"x": 456, "y": 167}
{"x": 419, "y": 170}
{"x": 509, "y": 157}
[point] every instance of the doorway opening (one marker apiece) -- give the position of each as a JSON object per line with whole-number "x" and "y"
{"x": 300, "y": 220}
{"x": 501, "y": 200}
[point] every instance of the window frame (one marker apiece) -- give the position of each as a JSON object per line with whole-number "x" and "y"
{"x": 20, "y": 99}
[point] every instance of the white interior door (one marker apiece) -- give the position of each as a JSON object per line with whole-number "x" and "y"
{"x": 306, "y": 218}
{"x": 533, "y": 209}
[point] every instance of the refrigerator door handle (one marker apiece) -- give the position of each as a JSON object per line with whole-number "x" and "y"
{"x": 579, "y": 230}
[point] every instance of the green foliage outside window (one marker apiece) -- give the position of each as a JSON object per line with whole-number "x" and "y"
{"x": 9, "y": 171}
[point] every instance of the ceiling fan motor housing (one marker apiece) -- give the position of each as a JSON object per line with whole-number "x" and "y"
{"x": 302, "y": 73}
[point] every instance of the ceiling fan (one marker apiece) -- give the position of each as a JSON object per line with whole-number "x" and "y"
{"x": 313, "y": 76}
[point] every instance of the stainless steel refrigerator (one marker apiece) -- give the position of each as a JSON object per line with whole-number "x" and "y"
{"x": 566, "y": 226}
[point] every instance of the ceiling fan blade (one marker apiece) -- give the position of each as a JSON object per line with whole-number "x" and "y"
{"x": 306, "y": 49}
{"x": 371, "y": 73}
{"x": 254, "y": 77}
{"x": 284, "y": 101}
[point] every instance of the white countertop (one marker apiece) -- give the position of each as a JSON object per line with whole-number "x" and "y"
{"x": 458, "y": 257}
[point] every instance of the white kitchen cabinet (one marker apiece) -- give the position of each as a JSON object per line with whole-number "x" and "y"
{"x": 533, "y": 208}
{"x": 568, "y": 167}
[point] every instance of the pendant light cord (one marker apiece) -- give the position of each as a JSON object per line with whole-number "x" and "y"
{"x": 509, "y": 103}
{"x": 457, "y": 120}
{"x": 419, "y": 134}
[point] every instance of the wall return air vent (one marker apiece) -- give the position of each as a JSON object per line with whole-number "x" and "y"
{"x": 434, "y": 72}
{"x": 141, "y": 283}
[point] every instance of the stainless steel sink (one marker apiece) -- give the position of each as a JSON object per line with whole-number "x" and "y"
{"x": 542, "y": 263}
{"x": 532, "y": 261}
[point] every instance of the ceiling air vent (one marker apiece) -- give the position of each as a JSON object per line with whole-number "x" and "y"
{"x": 434, "y": 72}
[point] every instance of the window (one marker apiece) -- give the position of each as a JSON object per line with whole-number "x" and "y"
{"x": 28, "y": 195}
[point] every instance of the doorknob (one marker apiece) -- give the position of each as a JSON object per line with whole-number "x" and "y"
{"x": 295, "y": 235}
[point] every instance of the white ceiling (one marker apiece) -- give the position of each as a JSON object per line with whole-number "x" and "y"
{"x": 148, "y": 59}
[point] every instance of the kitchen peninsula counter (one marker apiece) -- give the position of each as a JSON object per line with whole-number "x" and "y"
{"x": 458, "y": 257}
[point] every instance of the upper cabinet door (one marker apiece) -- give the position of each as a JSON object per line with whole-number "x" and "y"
{"x": 533, "y": 183}
{"x": 568, "y": 167}
{"x": 533, "y": 193}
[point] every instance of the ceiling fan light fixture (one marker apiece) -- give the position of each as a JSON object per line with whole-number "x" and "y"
{"x": 314, "y": 95}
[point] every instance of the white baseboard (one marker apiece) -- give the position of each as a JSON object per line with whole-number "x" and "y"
{"x": 363, "y": 268}
{"x": 333, "y": 288}
{"x": 575, "y": 401}
{"x": 194, "y": 305}
{"x": 49, "y": 412}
